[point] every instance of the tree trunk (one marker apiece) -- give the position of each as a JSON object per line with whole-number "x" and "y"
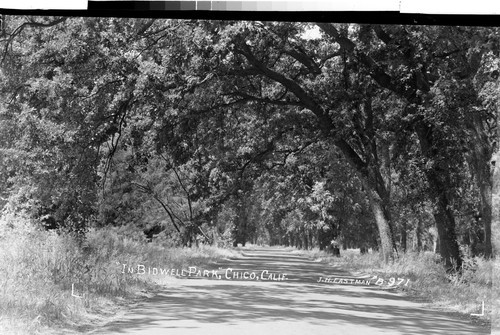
{"x": 445, "y": 224}
{"x": 379, "y": 199}
{"x": 479, "y": 161}
{"x": 437, "y": 245}
{"x": 437, "y": 178}
{"x": 496, "y": 205}
{"x": 448, "y": 245}
{"x": 383, "y": 225}
{"x": 486, "y": 216}
{"x": 485, "y": 189}
{"x": 305, "y": 239}
{"x": 240, "y": 232}
{"x": 403, "y": 235}
{"x": 418, "y": 233}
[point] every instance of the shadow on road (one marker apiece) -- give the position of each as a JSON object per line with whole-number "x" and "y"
{"x": 194, "y": 304}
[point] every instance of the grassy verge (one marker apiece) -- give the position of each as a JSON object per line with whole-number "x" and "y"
{"x": 428, "y": 281}
{"x": 38, "y": 270}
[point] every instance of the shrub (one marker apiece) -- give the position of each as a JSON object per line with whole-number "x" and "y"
{"x": 38, "y": 270}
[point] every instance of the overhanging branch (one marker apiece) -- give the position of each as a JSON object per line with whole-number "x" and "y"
{"x": 376, "y": 71}
{"x": 30, "y": 23}
{"x": 248, "y": 97}
{"x": 147, "y": 189}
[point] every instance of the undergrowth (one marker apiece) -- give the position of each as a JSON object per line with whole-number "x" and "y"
{"x": 461, "y": 292}
{"x": 39, "y": 271}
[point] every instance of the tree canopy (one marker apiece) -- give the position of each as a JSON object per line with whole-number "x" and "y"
{"x": 367, "y": 135}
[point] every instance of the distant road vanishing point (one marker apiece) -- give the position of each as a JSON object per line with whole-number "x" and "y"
{"x": 287, "y": 300}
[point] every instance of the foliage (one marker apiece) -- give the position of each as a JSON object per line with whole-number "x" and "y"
{"x": 39, "y": 268}
{"x": 368, "y": 134}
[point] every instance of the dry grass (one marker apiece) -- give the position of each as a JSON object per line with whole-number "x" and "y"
{"x": 462, "y": 293}
{"x": 38, "y": 269}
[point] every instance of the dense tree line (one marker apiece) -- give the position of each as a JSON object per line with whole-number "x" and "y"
{"x": 273, "y": 132}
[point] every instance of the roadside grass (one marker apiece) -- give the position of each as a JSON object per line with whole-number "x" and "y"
{"x": 38, "y": 270}
{"x": 428, "y": 281}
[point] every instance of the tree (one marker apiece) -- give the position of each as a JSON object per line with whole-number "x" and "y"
{"x": 423, "y": 66}
{"x": 277, "y": 72}
{"x": 45, "y": 130}
{"x": 206, "y": 115}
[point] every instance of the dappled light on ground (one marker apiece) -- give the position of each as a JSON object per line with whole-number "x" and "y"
{"x": 296, "y": 306}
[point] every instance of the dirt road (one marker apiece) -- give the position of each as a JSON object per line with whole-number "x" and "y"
{"x": 282, "y": 297}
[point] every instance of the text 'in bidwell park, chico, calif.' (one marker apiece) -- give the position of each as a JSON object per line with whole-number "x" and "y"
{"x": 193, "y": 271}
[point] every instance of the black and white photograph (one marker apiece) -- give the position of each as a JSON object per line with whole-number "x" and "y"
{"x": 164, "y": 172}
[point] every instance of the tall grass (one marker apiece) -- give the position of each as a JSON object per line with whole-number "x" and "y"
{"x": 38, "y": 270}
{"x": 459, "y": 292}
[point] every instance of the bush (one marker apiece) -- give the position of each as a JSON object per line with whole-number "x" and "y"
{"x": 38, "y": 270}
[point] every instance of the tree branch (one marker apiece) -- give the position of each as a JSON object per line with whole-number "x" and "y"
{"x": 287, "y": 83}
{"x": 381, "y": 33}
{"x": 248, "y": 97}
{"x": 30, "y": 23}
{"x": 188, "y": 196}
{"x": 148, "y": 190}
{"x": 376, "y": 71}
{"x": 304, "y": 59}
{"x": 324, "y": 119}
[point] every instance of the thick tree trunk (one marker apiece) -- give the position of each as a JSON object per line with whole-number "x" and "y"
{"x": 383, "y": 224}
{"x": 485, "y": 190}
{"x": 437, "y": 178}
{"x": 448, "y": 245}
{"x": 479, "y": 160}
{"x": 445, "y": 224}
{"x": 379, "y": 198}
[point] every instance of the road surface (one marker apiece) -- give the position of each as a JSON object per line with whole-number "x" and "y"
{"x": 293, "y": 303}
